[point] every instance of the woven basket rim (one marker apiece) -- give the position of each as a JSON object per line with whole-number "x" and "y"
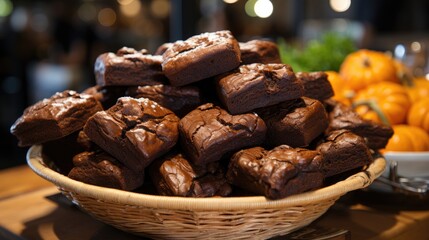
{"x": 354, "y": 182}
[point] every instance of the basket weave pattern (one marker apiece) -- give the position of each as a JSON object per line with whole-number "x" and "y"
{"x": 162, "y": 217}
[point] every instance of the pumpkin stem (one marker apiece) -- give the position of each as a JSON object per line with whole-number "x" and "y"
{"x": 366, "y": 62}
{"x": 406, "y": 79}
{"x": 372, "y": 104}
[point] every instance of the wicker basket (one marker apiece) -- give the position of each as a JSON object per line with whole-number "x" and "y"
{"x": 201, "y": 218}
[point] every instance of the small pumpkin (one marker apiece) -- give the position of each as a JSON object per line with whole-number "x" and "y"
{"x": 403, "y": 72}
{"x": 418, "y": 88}
{"x": 364, "y": 67}
{"x": 408, "y": 138}
{"x": 369, "y": 112}
{"x": 383, "y": 99}
{"x": 418, "y": 114}
{"x": 342, "y": 93}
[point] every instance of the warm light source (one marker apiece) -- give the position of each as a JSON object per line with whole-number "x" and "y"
{"x": 340, "y": 5}
{"x": 107, "y": 17}
{"x": 160, "y": 8}
{"x": 230, "y": 1}
{"x": 263, "y": 8}
{"x": 416, "y": 47}
{"x": 131, "y": 8}
{"x": 125, "y": 2}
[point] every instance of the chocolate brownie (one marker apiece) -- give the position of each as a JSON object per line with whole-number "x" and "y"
{"x": 180, "y": 100}
{"x": 343, "y": 151}
{"x": 174, "y": 175}
{"x": 295, "y": 123}
{"x": 201, "y": 56}
{"x": 276, "y": 173}
{"x": 59, "y": 153}
{"x": 162, "y": 48}
{"x": 341, "y": 116}
{"x": 55, "y": 117}
{"x": 259, "y": 51}
{"x": 127, "y": 67}
{"x": 209, "y": 132}
{"x": 258, "y": 85}
{"x": 101, "y": 169}
{"x": 85, "y": 143}
{"x": 134, "y": 131}
{"x": 107, "y": 95}
{"x": 316, "y": 85}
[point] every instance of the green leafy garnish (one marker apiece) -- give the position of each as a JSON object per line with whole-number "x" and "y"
{"x": 326, "y": 53}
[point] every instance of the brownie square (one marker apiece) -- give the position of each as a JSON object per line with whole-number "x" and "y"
{"x": 316, "y": 85}
{"x": 128, "y": 67}
{"x": 53, "y": 118}
{"x": 259, "y": 51}
{"x": 295, "y": 123}
{"x": 341, "y": 116}
{"x": 180, "y": 100}
{"x": 209, "y": 132}
{"x": 343, "y": 151}
{"x": 101, "y": 169}
{"x": 134, "y": 131}
{"x": 200, "y": 57}
{"x": 162, "y": 48}
{"x": 276, "y": 173}
{"x": 174, "y": 175}
{"x": 84, "y": 142}
{"x": 258, "y": 85}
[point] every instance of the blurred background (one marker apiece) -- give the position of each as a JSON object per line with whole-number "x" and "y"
{"x": 51, "y": 45}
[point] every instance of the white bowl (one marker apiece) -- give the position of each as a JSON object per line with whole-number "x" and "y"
{"x": 410, "y": 164}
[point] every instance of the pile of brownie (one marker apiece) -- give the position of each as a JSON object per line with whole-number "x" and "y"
{"x": 208, "y": 116}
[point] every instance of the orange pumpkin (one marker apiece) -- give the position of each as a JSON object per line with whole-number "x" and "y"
{"x": 419, "y": 114}
{"x": 390, "y": 99}
{"x": 418, "y": 89}
{"x": 364, "y": 67}
{"x": 368, "y": 112}
{"x": 403, "y": 72}
{"x": 408, "y": 138}
{"x": 342, "y": 93}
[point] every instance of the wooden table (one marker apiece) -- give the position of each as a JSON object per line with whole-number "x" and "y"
{"x": 32, "y": 208}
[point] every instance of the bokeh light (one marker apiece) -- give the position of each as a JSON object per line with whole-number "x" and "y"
{"x": 131, "y": 8}
{"x": 19, "y": 19}
{"x": 263, "y": 8}
{"x": 107, "y": 17}
{"x": 416, "y": 47}
{"x": 125, "y": 2}
{"x": 160, "y": 8}
{"x": 249, "y": 7}
{"x": 230, "y": 1}
{"x": 399, "y": 51}
{"x": 6, "y": 8}
{"x": 340, "y": 5}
